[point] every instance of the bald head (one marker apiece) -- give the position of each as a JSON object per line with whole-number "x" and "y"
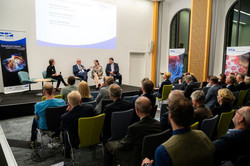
{"x": 246, "y": 113}
{"x": 242, "y": 118}
{"x": 143, "y": 105}
{"x": 175, "y": 94}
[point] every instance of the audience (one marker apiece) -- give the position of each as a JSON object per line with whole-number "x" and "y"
{"x": 190, "y": 86}
{"x": 128, "y": 150}
{"x": 225, "y": 98}
{"x": 112, "y": 69}
{"x": 241, "y": 83}
{"x": 211, "y": 96}
{"x": 200, "y": 112}
{"x": 66, "y": 90}
{"x": 70, "y": 119}
{"x": 166, "y": 77}
{"x": 115, "y": 93}
{"x": 185, "y": 147}
{"x": 103, "y": 94}
{"x": 247, "y": 81}
{"x": 235, "y": 144}
{"x": 84, "y": 90}
{"x": 222, "y": 80}
{"x": 230, "y": 81}
{"x": 39, "y": 120}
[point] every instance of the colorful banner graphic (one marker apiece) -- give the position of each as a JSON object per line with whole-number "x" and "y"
{"x": 237, "y": 60}
{"x": 13, "y": 59}
{"x": 175, "y": 63}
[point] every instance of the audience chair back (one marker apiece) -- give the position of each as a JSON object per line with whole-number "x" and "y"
{"x": 205, "y": 89}
{"x": 208, "y": 125}
{"x": 178, "y": 86}
{"x": 25, "y": 78}
{"x": 165, "y": 92}
{"x": 131, "y": 93}
{"x": 224, "y": 122}
{"x": 129, "y": 98}
{"x": 105, "y": 102}
{"x": 204, "y": 84}
{"x": 195, "y": 126}
{"x": 153, "y": 111}
{"x": 240, "y": 98}
{"x": 56, "y": 96}
{"x": 163, "y": 109}
{"x": 93, "y": 103}
{"x": 119, "y": 123}
{"x": 247, "y": 98}
{"x": 53, "y": 117}
{"x": 90, "y": 129}
{"x": 94, "y": 94}
{"x": 151, "y": 142}
{"x": 198, "y": 84}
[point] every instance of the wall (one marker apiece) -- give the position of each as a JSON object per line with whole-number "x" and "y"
{"x": 134, "y": 33}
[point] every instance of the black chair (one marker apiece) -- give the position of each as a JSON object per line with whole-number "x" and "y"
{"x": 163, "y": 109}
{"x": 198, "y": 84}
{"x": 204, "y": 84}
{"x": 94, "y": 94}
{"x": 151, "y": 142}
{"x": 104, "y": 103}
{"x": 247, "y": 97}
{"x": 205, "y": 89}
{"x": 93, "y": 103}
{"x": 129, "y": 98}
{"x": 153, "y": 111}
{"x": 208, "y": 125}
{"x": 119, "y": 123}
{"x": 132, "y": 93}
{"x": 178, "y": 86}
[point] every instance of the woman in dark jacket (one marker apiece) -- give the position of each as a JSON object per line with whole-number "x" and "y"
{"x": 166, "y": 81}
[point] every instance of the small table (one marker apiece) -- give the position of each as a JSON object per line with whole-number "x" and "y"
{"x": 42, "y": 80}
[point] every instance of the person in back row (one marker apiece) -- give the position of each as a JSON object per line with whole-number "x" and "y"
{"x": 80, "y": 71}
{"x": 66, "y": 90}
{"x": 211, "y": 96}
{"x": 115, "y": 93}
{"x": 190, "y": 86}
{"x": 112, "y": 69}
{"x": 40, "y": 107}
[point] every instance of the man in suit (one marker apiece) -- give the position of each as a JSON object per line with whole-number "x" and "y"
{"x": 211, "y": 96}
{"x": 115, "y": 93}
{"x": 190, "y": 86}
{"x": 241, "y": 83}
{"x": 230, "y": 80}
{"x": 128, "y": 150}
{"x": 80, "y": 71}
{"x": 70, "y": 119}
{"x": 103, "y": 94}
{"x": 112, "y": 69}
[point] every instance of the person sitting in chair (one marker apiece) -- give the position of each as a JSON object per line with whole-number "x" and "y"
{"x": 97, "y": 73}
{"x": 80, "y": 71}
{"x": 112, "y": 69}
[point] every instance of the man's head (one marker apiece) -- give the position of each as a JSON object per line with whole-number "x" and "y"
{"x": 78, "y": 61}
{"x": 188, "y": 79}
{"x": 111, "y": 60}
{"x": 48, "y": 90}
{"x": 181, "y": 113}
{"x": 241, "y": 118}
{"x": 143, "y": 106}
{"x": 115, "y": 91}
{"x": 109, "y": 80}
{"x": 147, "y": 86}
{"x": 213, "y": 80}
{"x": 74, "y": 98}
{"x": 71, "y": 80}
{"x": 198, "y": 98}
{"x": 240, "y": 78}
{"x": 144, "y": 79}
{"x": 230, "y": 79}
{"x": 174, "y": 95}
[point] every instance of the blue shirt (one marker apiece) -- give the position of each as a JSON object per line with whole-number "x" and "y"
{"x": 162, "y": 157}
{"x": 40, "y": 110}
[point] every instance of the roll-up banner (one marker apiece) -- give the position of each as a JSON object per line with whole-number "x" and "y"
{"x": 175, "y": 63}
{"x": 237, "y": 60}
{"x": 13, "y": 59}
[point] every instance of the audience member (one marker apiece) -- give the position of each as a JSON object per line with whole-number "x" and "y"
{"x": 225, "y": 98}
{"x": 247, "y": 81}
{"x": 190, "y": 86}
{"x": 235, "y": 144}
{"x": 241, "y": 83}
{"x": 185, "y": 147}
{"x": 97, "y": 73}
{"x": 200, "y": 112}
{"x": 70, "y": 119}
{"x": 166, "y": 77}
{"x": 51, "y": 73}
{"x": 103, "y": 94}
{"x": 115, "y": 93}
{"x": 128, "y": 150}
{"x": 66, "y": 90}
{"x": 112, "y": 69}
{"x": 80, "y": 71}
{"x": 230, "y": 81}
{"x": 211, "y": 96}
{"x": 208, "y": 81}
{"x": 222, "y": 80}
{"x": 140, "y": 91}
{"x": 84, "y": 90}
{"x": 39, "y": 120}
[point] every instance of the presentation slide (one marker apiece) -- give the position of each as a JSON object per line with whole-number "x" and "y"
{"x": 76, "y": 23}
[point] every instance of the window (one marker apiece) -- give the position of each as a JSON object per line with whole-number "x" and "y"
{"x": 179, "y": 33}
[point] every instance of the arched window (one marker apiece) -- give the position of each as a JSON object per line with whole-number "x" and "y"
{"x": 179, "y": 33}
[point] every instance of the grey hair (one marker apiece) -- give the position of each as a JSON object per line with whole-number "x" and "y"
{"x": 175, "y": 94}
{"x": 198, "y": 96}
{"x": 115, "y": 90}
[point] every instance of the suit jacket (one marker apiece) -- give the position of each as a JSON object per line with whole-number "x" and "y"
{"x": 241, "y": 86}
{"x": 118, "y": 105}
{"x": 130, "y": 147}
{"x": 103, "y": 94}
{"x": 222, "y": 108}
{"x": 232, "y": 88}
{"x": 116, "y": 69}
{"x": 76, "y": 69}
{"x": 189, "y": 89}
{"x": 70, "y": 120}
{"x": 166, "y": 82}
{"x": 211, "y": 96}
{"x": 50, "y": 70}
{"x": 201, "y": 113}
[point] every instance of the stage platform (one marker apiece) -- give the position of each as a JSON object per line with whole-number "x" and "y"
{"x": 22, "y": 104}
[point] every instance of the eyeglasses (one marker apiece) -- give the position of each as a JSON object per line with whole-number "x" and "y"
{"x": 237, "y": 111}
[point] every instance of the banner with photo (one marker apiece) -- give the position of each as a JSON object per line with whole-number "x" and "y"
{"x": 175, "y": 63}
{"x": 237, "y": 60}
{"x": 13, "y": 59}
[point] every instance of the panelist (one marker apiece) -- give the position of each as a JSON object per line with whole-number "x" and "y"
{"x": 51, "y": 73}
{"x": 80, "y": 71}
{"x": 97, "y": 73}
{"x": 112, "y": 69}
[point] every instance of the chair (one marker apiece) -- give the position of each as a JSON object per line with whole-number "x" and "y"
{"x": 224, "y": 122}
{"x": 198, "y": 84}
{"x": 94, "y": 94}
{"x": 195, "y": 126}
{"x": 247, "y": 98}
{"x": 153, "y": 111}
{"x": 204, "y": 84}
{"x": 104, "y": 103}
{"x": 25, "y": 78}
{"x": 119, "y": 123}
{"x": 208, "y": 125}
{"x": 93, "y": 103}
{"x": 165, "y": 92}
{"x": 129, "y": 98}
{"x": 205, "y": 89}
{"x": 178, "y": 86}
{"x": 56, "y": 96}
{"x": 89, "y": 131}
{"x": 240, "y": 98}
{"x": 151, "y": 142}
{"x": 44, "y": 73}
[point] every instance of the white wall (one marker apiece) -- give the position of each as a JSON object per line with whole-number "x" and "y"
{"x": 134, "y": 32}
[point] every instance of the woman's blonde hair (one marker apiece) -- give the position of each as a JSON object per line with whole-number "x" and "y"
{"x": 84, "y": 89}
{"x": 168, "y": 75}
{"x": 226, "y": 95}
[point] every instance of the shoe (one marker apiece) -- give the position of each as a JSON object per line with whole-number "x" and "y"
{"x": 58, "y": 89}
{"x": 66, "y": 84}
{"x": 32, "y": 144}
